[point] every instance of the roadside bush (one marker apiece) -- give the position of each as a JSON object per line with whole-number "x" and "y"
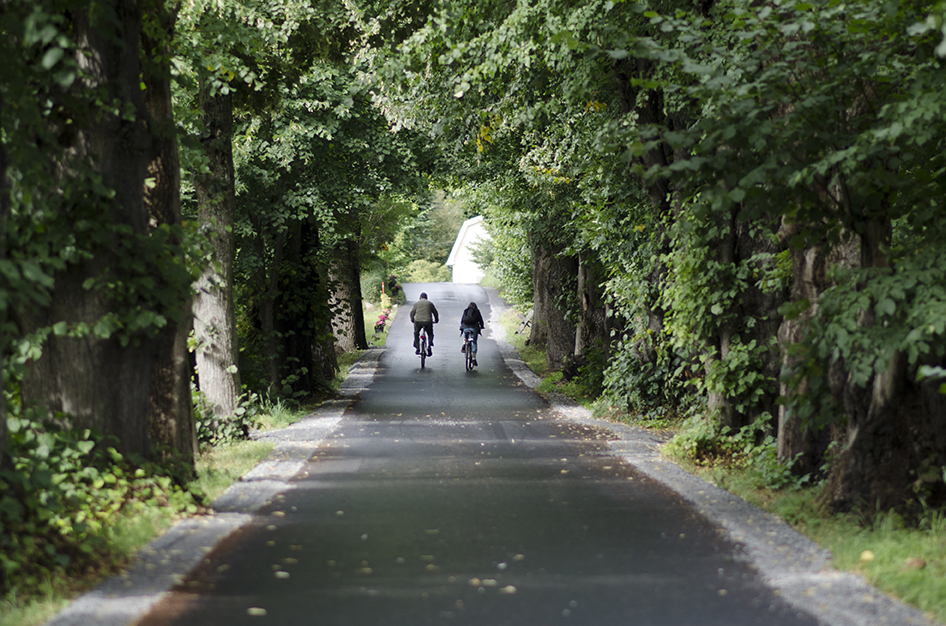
{"x": 371, "y": 286}
{"x": 422, "y": 271}
{"x": 62, "y": 490}
{"x": 704, "y": 442}
{"x": 213, "y": 430}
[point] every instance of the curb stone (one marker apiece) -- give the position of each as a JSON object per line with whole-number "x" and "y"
{"x": 797, "y": 568}
{"x": 126, "y": 597}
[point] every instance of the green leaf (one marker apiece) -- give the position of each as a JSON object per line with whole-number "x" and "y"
{"x": 52, "y": 57}
{"x": 886, "y": 306}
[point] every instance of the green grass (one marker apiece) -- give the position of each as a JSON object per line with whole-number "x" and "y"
{"x": 531, "y": 356}
{"x": 221, "y": 466}
{"x": 371, "y": 316}
{"x": 907, "y": 562}
{"x": 33, "y": 611}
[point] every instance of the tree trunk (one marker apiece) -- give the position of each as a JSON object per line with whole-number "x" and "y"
{"x": 295, "y": 322}
{"x": 561, "y": 285}
{"x": 810, "y": 265}
{"x": 895, "y": 429}
{"x": 98, "y": 381}
{"x": 718, "y": 402}
{"x": 267, "y": 288}
{"x": 171, "y": 416}
{"x": 214, "y": 316}
{"x": 4, "y": 314}
{"x": 594, "y": 330}
{"x": 541, "y": 263}
{"x": 348, "y": 316}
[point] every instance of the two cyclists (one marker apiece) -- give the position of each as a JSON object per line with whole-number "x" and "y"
{"x": 424, "y": 315}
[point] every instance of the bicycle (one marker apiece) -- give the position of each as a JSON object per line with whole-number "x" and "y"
{"x": 469, "y": 356}
{"x": 422, "y": 344}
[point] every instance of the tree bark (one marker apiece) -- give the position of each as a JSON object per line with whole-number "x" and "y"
{"x": 267, "y": 289}
{"x": 895, "y": 429}
{"x": 171, "y": 416}
{"x": 594, "y": 330}
{"x": 348, "y": 316}
{"x": 214, "y": 315}
{"x": 561, "y": 285}
{"x": 718, "y": 402}
{"x": 4, "y": 316}
{"x": 98, "y": 381}
{"x": 541, "y": 262}
{"x": 295, "y": 323}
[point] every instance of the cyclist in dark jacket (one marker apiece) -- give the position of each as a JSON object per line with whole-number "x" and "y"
{"x": 424, "y": 315}
{"x": 472, "y": 319}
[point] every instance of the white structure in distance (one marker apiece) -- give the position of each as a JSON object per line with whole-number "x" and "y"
{"x": 460, "y": 261}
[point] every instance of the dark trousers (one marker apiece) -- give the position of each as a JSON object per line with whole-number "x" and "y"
{"x": 429, "y": 326}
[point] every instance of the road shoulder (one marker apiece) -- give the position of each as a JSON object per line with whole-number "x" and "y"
{"x": 127, "y": 597}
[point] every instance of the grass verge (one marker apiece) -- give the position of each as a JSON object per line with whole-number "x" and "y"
{"x": 906, "y": 562}
{"x": 510, "y": 321}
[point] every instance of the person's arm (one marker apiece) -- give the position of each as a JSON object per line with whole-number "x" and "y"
{"x": 433, "y": 310}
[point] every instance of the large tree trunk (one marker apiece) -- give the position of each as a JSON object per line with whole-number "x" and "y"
{"x": 594, "y": 330}
{"x": 171, "y": 416}
{"x": 295, "y": 323}
{"x": 895, "y": 429}
{"x": 267, "y": 289}
{"x": 795, "y": 441}
{"x": 719, "y": 403}
{"x": 806, "y": 445}
{"x": 4, "y": 314}
{"x": 98, "y": 381}
{"x": 541, "y": 262}
{"x": 561, "y": 285}
{"x": 348, "y": 316}
{"x": 307, "y": 317}
{"x": 214, "y": 316}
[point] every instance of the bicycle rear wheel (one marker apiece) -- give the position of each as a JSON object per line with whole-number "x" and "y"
{"x": 468, "y": 354}
{"x": 423, "y": 350}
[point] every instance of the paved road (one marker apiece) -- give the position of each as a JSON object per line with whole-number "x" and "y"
{"x": 447, "y": 497}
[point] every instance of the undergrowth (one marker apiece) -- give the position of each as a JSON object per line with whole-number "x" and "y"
{"x": 73, "y": 510}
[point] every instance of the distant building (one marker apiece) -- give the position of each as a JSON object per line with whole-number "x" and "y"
{"x": 460, "y": 260}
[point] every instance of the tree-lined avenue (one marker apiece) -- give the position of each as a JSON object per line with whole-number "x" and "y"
{"x": 447, "y": 497}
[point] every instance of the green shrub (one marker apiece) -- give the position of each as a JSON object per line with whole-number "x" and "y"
{"x": 423, "y": 271}
{"x": 62, "y": 491}
{"x": 213, "y": 430}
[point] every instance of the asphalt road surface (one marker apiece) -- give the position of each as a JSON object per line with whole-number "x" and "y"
{"x": 451, "y": 497}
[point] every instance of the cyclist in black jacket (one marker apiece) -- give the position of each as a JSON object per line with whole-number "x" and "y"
{"x": 472, "y": 319}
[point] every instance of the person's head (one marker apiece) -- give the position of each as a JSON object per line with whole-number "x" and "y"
{"x": 423, "y": 295}
{"x": 473, "y": 306}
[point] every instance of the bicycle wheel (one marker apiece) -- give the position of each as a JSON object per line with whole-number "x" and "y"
{"x": 468, "y": 350}
{"x": 423, "y": 350}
